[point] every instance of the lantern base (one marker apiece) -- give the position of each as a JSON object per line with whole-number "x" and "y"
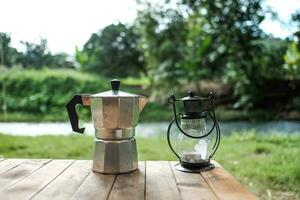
{"x": 197, "y": 169}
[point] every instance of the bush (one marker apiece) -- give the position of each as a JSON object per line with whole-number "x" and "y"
{"x": 41, "y": 95}
{"x": 45, "y": 91}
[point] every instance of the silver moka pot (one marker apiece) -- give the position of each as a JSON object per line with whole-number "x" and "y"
{"x": 115, "y": 116}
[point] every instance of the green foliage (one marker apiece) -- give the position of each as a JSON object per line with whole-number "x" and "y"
{"x": 296, "y": 23}
{"x": 162, "y": 41}
{"x": 81, "y": 58}
{"x": 152, "y": 112}
{"x": 156, "y": 112}
{"x": 292, "y": 60}
{"x": 142, "y": 81}
{"x": 44, "y": 91}
{"x": 41, "y": 95}
{"x": 61, "y": 60}
{"x": 171, "y": 48}
{"x": 21, "y": 116}
{"x": 233, "y": 27}
{"x": 37, "y": 55}
{"x": 292, "y": 56}
{"x": 203, "y": 39}
{"x": 8, "y": 54}
{"x": 112, "y": 52}
{"x": 220, "y": 33}
{"x": 212, "y": 40}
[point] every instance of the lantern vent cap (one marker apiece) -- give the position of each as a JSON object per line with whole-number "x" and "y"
{"x": 191, "y": 97}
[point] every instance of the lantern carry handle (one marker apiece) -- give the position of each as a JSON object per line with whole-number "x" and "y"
{"x": 217, "y": 141}
{"x": 218, "y": 131}
{"x": 168, "y": 139}
{"x": 172, "y": 100}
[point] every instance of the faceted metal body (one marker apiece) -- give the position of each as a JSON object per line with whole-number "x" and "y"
{"x": 115, "y": 157}
{"x": 115, "y": 118}
{"x": 115, "y": 115}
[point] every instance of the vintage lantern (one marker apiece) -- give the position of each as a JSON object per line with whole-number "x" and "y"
{"x": 193, "y": 140}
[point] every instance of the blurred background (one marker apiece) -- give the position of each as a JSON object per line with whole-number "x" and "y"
{"x": 247, "y": 52}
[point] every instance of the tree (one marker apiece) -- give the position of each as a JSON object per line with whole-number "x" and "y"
{"x": 292, "y": 56}
{"x": 112, "y": 52}
{"x": 204, "y": 39}
{"x": 8, "y": 54}
{"x": 35, "y": 55}
{"x": 296, "y": 23}
{"x": 163, "y": 32}
{"x": 229, "y": 34}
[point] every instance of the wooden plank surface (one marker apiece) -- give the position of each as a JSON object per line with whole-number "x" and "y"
{"x": 19, "y": 172}
{"x": 192, "y": 185}
{"x": 130, "y": 186}
{"x": 8, "y": 164}
{"x": 160, "y": 182}
{"x": 69, "y": 180}
{"x": 224, "y": 185}
{"x": 95, "y": 186}
{"x": 32, "y": 184}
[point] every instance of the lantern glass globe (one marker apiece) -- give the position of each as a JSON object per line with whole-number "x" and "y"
{"x": 193, "y": 150}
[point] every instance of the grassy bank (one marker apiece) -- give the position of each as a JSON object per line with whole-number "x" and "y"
{"x": 152, "y": 113}
{"x": 29, "y": 95}
{"x": 267, "y": 165}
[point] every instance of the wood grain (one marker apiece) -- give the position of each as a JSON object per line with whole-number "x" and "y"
{"x": 192, "y": 185}
{"x": 8, "y": 164}
{"x": 1, "y": 159}
{"x": 68, "y": 179}
{"x": 130, "y": 186}
{"x": 225, "y": 186}
{"x": 95, "y": 186}
{"x": 160, "y": 182}
{"x": 32, "y": 184}
{"x": 66, "y": 184}
{"x": 14, "y": 175}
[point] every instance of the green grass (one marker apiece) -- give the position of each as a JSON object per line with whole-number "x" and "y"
{"x": 269, "y": 163}
{"x": 264, "y": 164}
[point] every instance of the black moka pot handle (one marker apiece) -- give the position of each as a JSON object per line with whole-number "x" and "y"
{"x": 71, "y": 108}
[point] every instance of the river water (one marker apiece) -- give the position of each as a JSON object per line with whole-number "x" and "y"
{"x": 147, "y": 129}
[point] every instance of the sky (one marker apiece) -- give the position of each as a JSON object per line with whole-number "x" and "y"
{"x": 69, "y": 23}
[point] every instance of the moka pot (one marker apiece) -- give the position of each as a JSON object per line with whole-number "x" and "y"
{"x": 115, "y": 115}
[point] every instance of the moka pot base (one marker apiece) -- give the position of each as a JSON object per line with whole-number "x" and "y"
{"x": 115, "y": 156}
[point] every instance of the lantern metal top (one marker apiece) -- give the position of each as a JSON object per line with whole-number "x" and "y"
{"x": 192, "y": 106}
{"x": 192, "y": 97}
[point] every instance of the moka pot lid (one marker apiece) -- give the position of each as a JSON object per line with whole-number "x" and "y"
{"x": 115, "y": 92}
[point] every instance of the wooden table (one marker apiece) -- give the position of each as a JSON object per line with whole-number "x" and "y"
{"x": 73, "y": 179}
